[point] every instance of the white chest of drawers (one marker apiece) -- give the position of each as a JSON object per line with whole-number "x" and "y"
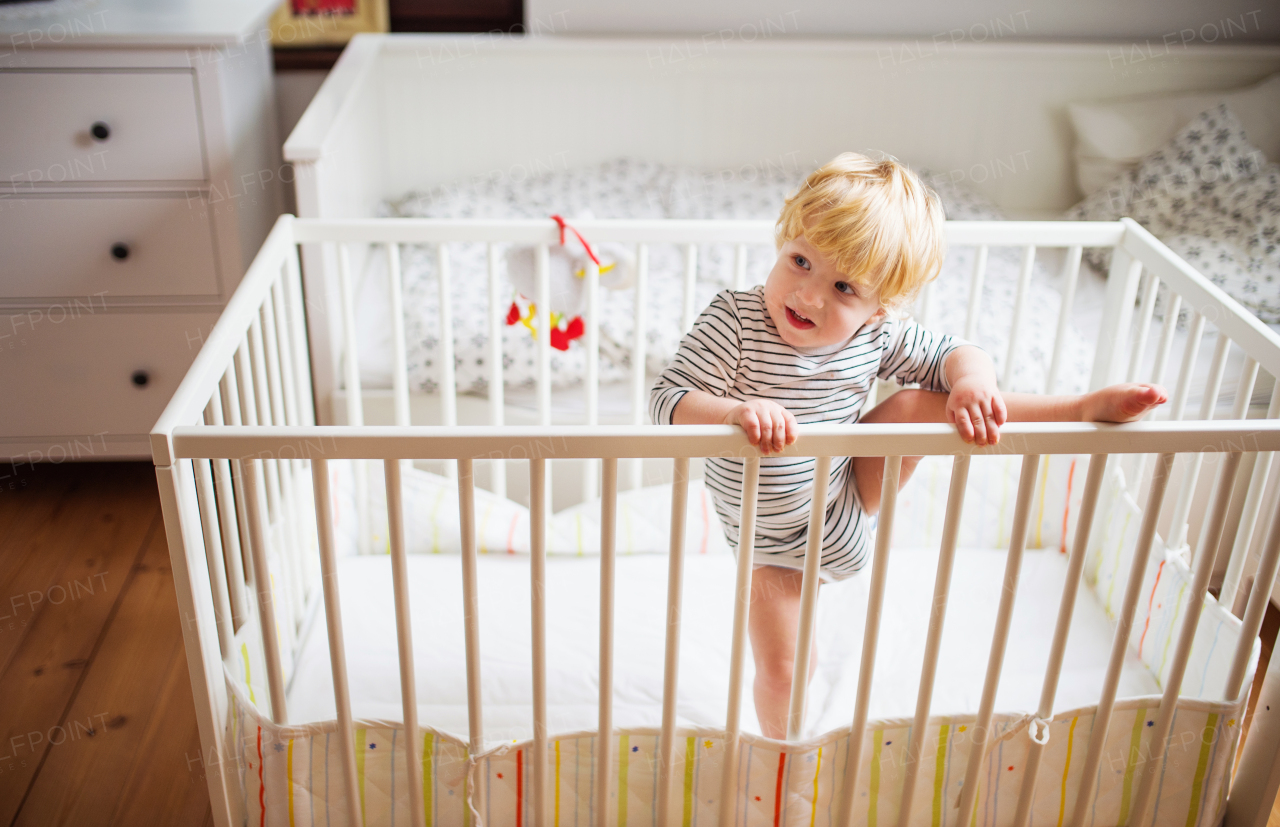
{"x": 139, "y": 172}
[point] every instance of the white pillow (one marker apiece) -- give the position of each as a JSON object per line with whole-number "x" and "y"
{"x": 1113, "y": 136}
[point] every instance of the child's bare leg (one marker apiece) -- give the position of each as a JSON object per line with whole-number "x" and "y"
{"x": 1116, "y": 403}
{"x": 774, "y": 618}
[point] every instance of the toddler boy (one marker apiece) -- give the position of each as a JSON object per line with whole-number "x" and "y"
{"x": 858, "y": 240}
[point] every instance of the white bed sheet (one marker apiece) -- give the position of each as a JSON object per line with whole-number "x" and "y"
{"x": 572, "y": 678}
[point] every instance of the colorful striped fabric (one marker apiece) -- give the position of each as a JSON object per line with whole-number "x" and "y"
{"x": 987, "y": 519}
{"x": 1165, "y": 587}
{"x": 293, "y": 775}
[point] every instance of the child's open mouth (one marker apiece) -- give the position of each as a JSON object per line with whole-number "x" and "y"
{"x": 798, "y": 321}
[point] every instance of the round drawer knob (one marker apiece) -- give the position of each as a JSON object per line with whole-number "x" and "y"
{"x": 119, "y": 251}
{"x": 140, "y": 378}
{"x": 100, "y": 131}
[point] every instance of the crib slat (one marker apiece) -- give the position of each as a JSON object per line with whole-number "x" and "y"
{"x": 1070, "y": 278}
{"x": 688, "y": 311}
{"x": 543, "y": 326}
{"x": 808, "y": 597}
{"x": 538, "y": 604}
{"x": 544, "y": 347}
{"x": 1244, "y": 388}
{"x": 351, "y": 353}
{"x": 639, "y": 391}
{"x": 593, "y": 373}
{"x": 355, "y": 397}
{"x": 233, "y": 407}
{"x": 1259, "y": 598}
{"x": 1145, "y": 313}
{"x": 608, "y": 522}
{"x": 1189, "y": 355}
{"x": 292, "y": 468}
{"x": 498, "y": 467}
{"x": 1182, "y": 507}
{"x": 1120, "y": 642}
{"x": 1066, "y": 608}
{"x": 1249, "y": 514}
{"x": 1000, "y": 638}
{"x": 283, "y": 486}
{"x": 1167, "y": 331}
{"x": 448, "y": 381}
{"x": 333, "y": 625}
{"x": 675, "y": 580}
{"x": 1117, "y": 314}
{"x": 213, "y": 555}
{"x": 1174, "y": 305}
{"x": 298, "y": 337}
{"x": 269, "y": 470}
{"x": 271, "y": 352}
{"x": 1209, "y": 539}
{"x": 1024, "y": 283}
{"x": 740, "y": 267}
{"x": 284, "y": 346}
{"x": 254, "y": 502}
{"x": 399, "y": 356}
{"x": 870, "y": 637}
{"x": 404, "y": 634}
{"x": 975, "y": 293}
{"x": 262, "y": 395}
{"x": 738, "y": 646}
{"x": 248, "y": 416}
{"x": 470, "y": 602}
{"x": 933, "y": 643}
{"x": 228, "y": 515}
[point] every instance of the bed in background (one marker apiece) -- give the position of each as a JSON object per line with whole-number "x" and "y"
{"x": 398, "y": 114}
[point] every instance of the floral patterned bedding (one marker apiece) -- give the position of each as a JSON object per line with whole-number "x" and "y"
{"x": 1213, "y": 198}
{"x": 629, "y": 188}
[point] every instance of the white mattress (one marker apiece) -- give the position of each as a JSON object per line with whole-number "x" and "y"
{"x": 573, "y": 589}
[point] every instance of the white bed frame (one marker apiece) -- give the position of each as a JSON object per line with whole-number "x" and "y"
{"x": 412, "y": 112}
{"x": 238, "y": 454}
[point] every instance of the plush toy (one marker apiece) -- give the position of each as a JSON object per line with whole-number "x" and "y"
{"x": 567, "y": 271}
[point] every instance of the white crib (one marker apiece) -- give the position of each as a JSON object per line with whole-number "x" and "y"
{"x": 246, "y": 487}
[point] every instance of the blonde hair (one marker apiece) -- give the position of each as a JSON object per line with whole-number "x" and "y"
{"x": 876, "y": 220}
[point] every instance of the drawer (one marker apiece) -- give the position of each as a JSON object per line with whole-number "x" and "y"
{"x": 146, "y": 124}
{"x": 68, "y": 370}
{"x": 114, "y": 247}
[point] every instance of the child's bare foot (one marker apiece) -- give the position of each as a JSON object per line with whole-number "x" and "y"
{"x": 1122, "y": 403}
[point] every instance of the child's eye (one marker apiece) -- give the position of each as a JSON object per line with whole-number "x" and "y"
{"x": 801, "y": 261}
{"x": 846, "y": 288}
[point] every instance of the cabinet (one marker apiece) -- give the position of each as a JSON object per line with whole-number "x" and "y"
{"x": 139, "y": 172}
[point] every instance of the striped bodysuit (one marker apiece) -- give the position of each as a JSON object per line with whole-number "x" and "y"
{"x": 734, "y": 351}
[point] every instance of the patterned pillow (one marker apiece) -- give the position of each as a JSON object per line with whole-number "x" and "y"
{"x": 1211, "y": 196}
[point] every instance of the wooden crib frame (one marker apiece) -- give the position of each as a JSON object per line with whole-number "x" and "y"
{"x": 238, "y": 444}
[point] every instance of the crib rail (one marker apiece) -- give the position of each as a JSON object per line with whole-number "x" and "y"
{"x": 239, "y": 458}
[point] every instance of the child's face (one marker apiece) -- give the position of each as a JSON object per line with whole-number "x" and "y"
{"x": 811, "y": 302}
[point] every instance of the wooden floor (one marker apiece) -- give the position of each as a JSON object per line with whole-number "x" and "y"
{"x": 97, "y": 722}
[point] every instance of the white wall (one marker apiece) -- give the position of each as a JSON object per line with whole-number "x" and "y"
{"x": 1198, "y": 21}
{"x": 294, "y": 90}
